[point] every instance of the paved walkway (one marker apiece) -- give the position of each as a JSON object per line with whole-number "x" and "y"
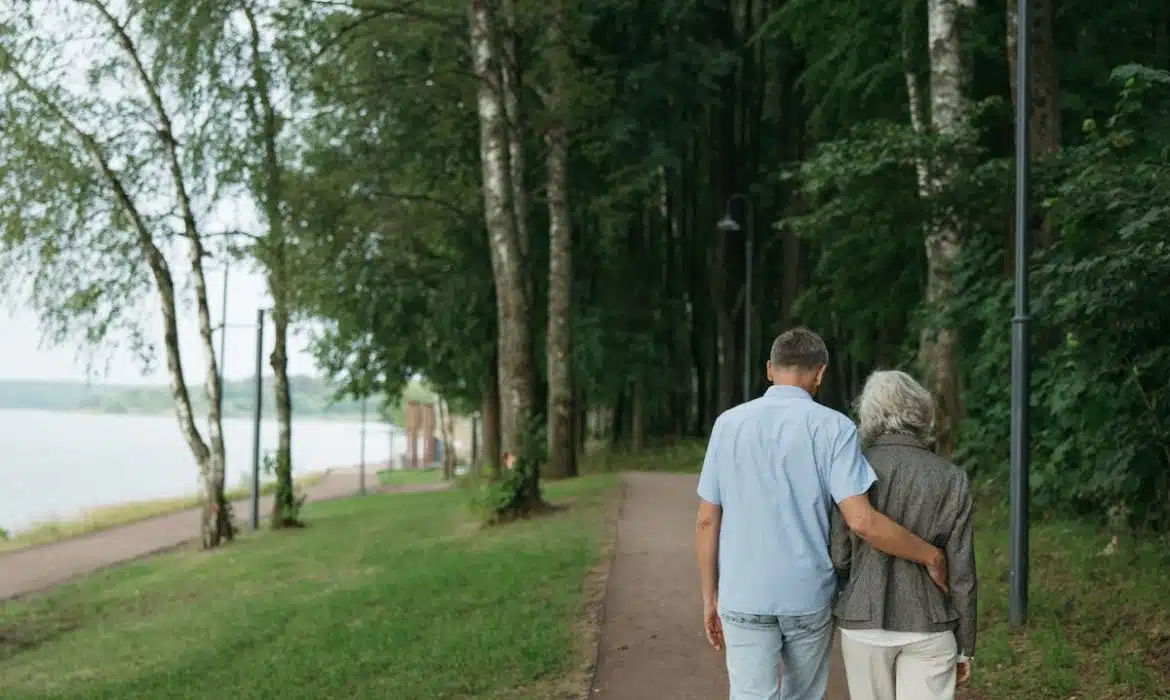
{"x": 36, "y": 568}
{"x": 652, "y": 642}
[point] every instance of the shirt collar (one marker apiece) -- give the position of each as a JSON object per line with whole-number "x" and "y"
{"x": 786, "y": 392}
{"x": 902, "y": 439}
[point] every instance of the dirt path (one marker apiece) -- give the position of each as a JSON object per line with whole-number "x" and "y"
{"x": 652, "y": 643}
{"x": 34, "y": 569}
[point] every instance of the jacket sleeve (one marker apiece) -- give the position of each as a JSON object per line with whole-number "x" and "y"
{"x": 960, "y": 552}
{"x": 840, "y": 545}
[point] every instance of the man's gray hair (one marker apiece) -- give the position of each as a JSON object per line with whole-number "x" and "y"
{"x": 893, "y": 401}
{"x": 799, "y": 348}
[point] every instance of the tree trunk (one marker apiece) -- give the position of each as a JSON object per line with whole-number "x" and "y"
{"x": 949, "y": 112}
{"x": 284, "y": 501}
{"x": 491, "y": 425}
{"x": 216, "y": 525}
{"x": 517, "y": 375}
{"x": 638, "y": 417}
{"x": 273, "y": 253}
{"x": 446, "y": 433}
{"x": 510, "y": 75}
{"x": 1044, "y": 125}
{"x": 561, "y": 449}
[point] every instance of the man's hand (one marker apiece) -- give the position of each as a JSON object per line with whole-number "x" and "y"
{"x": 964, "y": 672}
{"x": 938, "y": 573}
{"x": 713, "y": 625}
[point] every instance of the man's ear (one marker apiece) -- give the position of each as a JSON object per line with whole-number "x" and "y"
{"x": 768, "y": 366}
{"x": 821, "y": 374}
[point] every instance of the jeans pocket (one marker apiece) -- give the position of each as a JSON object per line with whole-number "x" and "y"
{"x": 816, "y": 621}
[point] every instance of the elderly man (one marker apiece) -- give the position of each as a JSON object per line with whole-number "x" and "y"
{"x": 774, "y": 468}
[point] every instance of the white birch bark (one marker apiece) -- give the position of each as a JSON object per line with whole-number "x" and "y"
{"x": 949, "y": 108}
{"x": 561, "y": 446}
{"x": 517, "y": 386}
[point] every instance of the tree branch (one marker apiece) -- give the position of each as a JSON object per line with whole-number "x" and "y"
{"x": 155, "y": 259}
{"x": 166, "y": 131}
{"x": 404, "y": 8}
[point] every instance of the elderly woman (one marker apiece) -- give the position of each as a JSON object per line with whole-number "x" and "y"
{"x": 903, "y": 638}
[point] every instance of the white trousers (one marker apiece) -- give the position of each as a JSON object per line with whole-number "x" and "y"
{"x": 919, "y": 671}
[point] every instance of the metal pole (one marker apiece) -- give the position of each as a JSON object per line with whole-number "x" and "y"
{"x": 258, "y": 408}
{"x": 747, "y": 307}
{"x": 1018, "y": 598}
{"x": 362, "y": 486}
{"x": 474, "y": 439}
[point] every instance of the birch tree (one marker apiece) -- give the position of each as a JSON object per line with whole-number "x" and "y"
{"x": 272, "y": 250}
{"x": 229, "y": 50}
{"x": 949, "y": 108}
{"x": 562, "y": 448}
{"x": 104, "y": 175}
{"x": 515, "y": 357}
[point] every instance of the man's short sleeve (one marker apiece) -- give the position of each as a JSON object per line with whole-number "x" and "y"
{"x": 709, "y": 477}
{"x": 849, "y": 473}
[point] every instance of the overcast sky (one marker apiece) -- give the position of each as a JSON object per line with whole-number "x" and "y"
{"x": 23, "y": 356}
{"x": 22, "y": 353}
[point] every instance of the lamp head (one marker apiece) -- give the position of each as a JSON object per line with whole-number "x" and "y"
{"x": 727, "y": 224}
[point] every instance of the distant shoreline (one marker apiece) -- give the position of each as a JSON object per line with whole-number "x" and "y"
{"x": 233, "y": 415}
{"x": 312, "y": 397}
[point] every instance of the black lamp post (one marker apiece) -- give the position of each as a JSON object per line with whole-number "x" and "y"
{"x": 728, "y": 224}
{"x": 257, "y": 410}
{"x": 1018, "y": 598}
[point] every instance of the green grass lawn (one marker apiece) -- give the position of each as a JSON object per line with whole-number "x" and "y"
{"x": 409, "y": 477}
{"x": 1100, "y": 623}
{"x": 389, "y": 596}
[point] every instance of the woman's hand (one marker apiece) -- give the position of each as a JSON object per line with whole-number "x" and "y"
{"x": 964, "y": 672}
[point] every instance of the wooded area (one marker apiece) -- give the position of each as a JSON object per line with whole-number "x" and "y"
{"x": 519, "y": 201}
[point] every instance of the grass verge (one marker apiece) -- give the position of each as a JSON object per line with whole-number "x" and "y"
{"x": 685, "y": 456}
{"x": 106, "y": 517}
{"x": 1099, "y": 625}
{"x": 389, "y": 596}
{"x": 408, "y": 477}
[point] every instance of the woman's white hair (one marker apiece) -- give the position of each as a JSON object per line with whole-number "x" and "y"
{"x": 892, "y": 402}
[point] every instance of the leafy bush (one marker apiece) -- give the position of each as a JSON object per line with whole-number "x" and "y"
{"x": 1101, "y": 370}
{"x": 514, "y": 491}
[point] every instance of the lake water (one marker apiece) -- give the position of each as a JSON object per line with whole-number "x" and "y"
{"x": 56, "y": 465}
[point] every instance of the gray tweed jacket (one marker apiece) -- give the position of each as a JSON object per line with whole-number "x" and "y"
{"x": 930, "y": 497}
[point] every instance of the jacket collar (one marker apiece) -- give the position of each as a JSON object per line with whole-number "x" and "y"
{"x": 900, "y": 439}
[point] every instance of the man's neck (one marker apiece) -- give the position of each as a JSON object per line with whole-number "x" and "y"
{"x": 793, "y": 380}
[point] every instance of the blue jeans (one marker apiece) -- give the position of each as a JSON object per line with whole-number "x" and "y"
{"x": 802, "y": 643}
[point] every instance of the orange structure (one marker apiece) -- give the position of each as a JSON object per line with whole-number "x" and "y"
{"x": 427, "y": 434}
{"x": 419, "y": 419}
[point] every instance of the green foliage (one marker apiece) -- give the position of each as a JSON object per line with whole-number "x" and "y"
{"x": 1101, "y": 444}
{"x": 287, "y": 503}
{"x": 513, "y": 491}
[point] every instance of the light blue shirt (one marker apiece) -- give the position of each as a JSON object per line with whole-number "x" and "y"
{"x": 775, "y": 466}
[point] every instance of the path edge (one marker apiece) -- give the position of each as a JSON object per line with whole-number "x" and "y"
{"x": 597, "y": 592}
{"x": 188, "y": 544}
